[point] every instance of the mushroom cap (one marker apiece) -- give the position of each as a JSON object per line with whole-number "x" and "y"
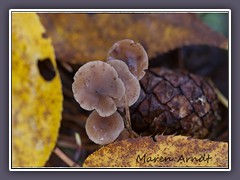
{"x": 133, "y": 54}
{"x": 132, "y": 86}
{"x": 96, "y": 85}
{"x": 104, "y": 130}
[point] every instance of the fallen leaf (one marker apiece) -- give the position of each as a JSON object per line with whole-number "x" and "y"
{"x": 36, "y": 92}
{"x": 79, "y": 38}
{"x": 164, "y": 151}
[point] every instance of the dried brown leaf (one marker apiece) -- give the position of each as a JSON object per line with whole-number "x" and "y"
{"x": 164, "y": 151}
{"x": 79, "y": 38}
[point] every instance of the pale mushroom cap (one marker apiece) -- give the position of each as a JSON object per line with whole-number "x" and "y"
{"x": 132, "y": 86}
{"x": 104, "y": 130}
{"x": 96, "y": 85}
{"x": 133, "y": 54}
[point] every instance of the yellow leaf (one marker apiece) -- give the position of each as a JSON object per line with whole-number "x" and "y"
{"x": 36, "y": 92}
{"x": 167, "y": 151}
{"x": 79, "y": 38}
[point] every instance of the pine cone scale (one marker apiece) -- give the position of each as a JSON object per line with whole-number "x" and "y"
{"x": 174, "y": 102}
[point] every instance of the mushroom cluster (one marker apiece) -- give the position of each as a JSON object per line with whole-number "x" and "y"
{"x": 103, "y": 87}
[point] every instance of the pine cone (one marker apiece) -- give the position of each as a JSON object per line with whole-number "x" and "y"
{"x": 175, "y": 102}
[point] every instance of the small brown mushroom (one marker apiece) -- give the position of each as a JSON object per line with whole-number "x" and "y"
{"x": 132, "y": 86}
{"x": 133, "y": 54}
{"x": 96, "y": 85}
{"x": 104, "y": 130}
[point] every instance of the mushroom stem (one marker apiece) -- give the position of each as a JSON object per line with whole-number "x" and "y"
{"x": 127, "y": 112}
{"x": 127, "y": 119}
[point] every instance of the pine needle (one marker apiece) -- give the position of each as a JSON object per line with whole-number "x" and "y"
{"x": 64, "y": 158}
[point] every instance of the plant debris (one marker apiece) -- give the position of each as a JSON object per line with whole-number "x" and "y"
{"x": 164, "y": 151}
{"x": 79, "y": 38}
{"x": 36, "y": 93}
{"x": 175, "y": 102}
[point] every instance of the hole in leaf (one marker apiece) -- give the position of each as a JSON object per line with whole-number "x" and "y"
{"x": 46, "y": 69}
{"x": 44, "y": 35}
